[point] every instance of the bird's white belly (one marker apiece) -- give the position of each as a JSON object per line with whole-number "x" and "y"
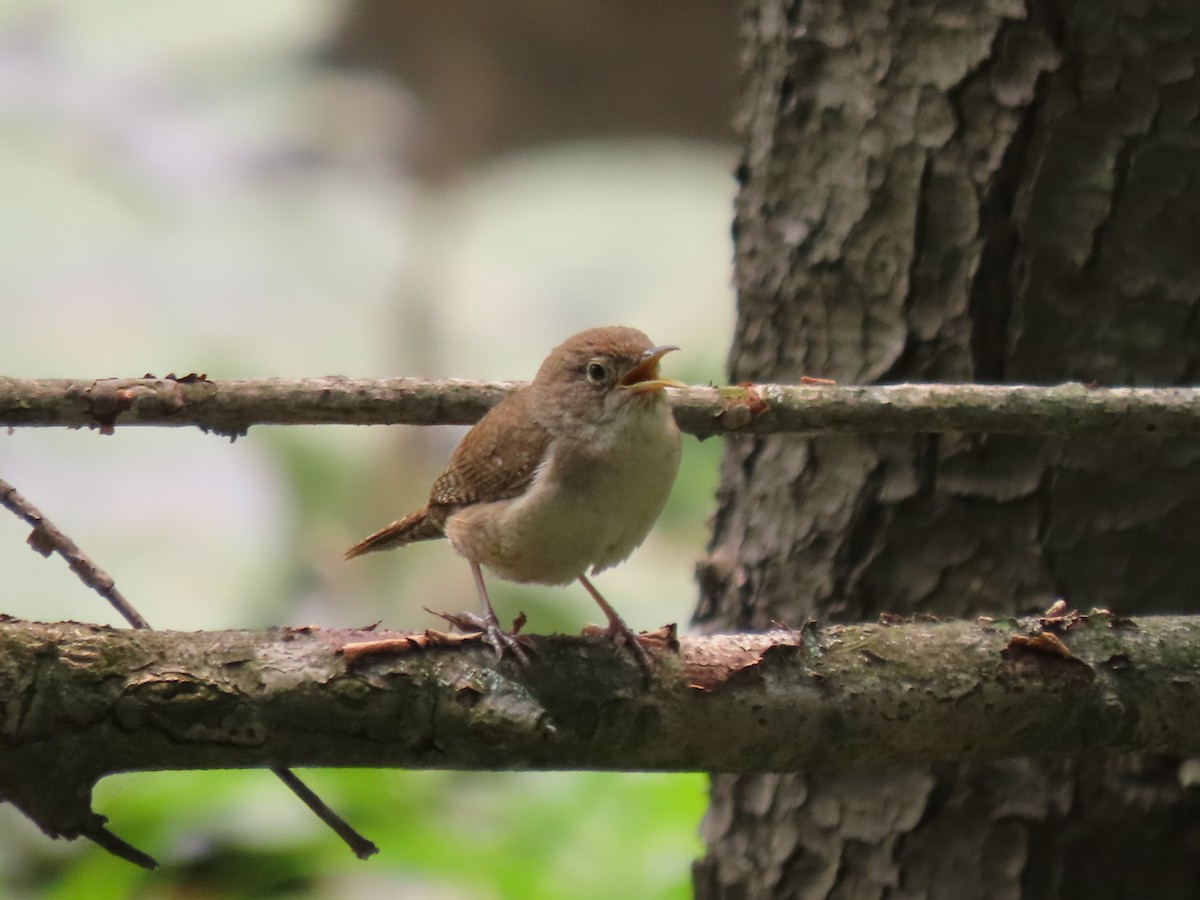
{"x": 567, "y": 522}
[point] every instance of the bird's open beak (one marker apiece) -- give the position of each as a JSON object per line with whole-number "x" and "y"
{"x": 643, "y": 377}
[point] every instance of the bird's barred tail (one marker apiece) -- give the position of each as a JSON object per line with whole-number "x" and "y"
{"x": 418, "y": 526}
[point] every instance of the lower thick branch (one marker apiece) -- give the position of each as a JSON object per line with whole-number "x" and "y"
{"x": 96, "y": 701}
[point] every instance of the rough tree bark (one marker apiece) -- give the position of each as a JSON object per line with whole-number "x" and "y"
{"x": 961, "y": 192}
{"x": 86, "y": 701}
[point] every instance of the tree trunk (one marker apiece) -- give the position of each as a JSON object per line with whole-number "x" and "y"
{"x": 962, "y": 192}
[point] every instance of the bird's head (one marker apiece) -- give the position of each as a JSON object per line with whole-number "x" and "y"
{"x": 604, "y": 373}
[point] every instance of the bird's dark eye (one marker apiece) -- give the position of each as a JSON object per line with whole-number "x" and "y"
{"x": 597, "y": 372}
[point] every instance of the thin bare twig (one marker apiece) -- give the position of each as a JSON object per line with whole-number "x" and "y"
{"x": 120, "y": 847}
{"x": 231, "y": 407}
{"x": 362, "y": 848}
{"x": 46, "y": 539}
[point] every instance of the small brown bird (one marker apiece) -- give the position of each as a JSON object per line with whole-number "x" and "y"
{"x": 561, "y": 477}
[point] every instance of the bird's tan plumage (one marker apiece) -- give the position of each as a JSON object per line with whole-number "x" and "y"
{"x": 567, "y": 473}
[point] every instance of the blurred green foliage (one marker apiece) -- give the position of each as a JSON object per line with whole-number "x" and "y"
{"x": 441, "y": 834}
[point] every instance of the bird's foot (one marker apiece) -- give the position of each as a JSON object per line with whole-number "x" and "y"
{"x": 488, "y": 627}
{"x": 618, "y": 630}
{"x": 622, "y": 635}
{"x": 505, "y": 641}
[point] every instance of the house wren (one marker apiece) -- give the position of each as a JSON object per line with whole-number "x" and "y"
{"x": 562, "y": 477}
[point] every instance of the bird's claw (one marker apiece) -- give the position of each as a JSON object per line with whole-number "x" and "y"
{"x": 622, "y": 635}
{"x": 488, "y": 627}
{"x": 503, "y": 640}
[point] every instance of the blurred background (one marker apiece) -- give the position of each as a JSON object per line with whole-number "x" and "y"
{"x": 305, "y": 187}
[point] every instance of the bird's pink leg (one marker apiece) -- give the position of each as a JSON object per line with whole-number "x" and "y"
{"x": 496, "y": 636}
{"x": 618, "y": 630}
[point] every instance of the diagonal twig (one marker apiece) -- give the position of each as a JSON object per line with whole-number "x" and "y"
{"x": 120, "y": 847}
{"x": 362, "y": 848}
{"x": 46, "y": 539}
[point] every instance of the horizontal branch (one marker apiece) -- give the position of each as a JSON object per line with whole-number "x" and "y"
{"x": 84, "y": 701}
{"x": 231, "y": 407}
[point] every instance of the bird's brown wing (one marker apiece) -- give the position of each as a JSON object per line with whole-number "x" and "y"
{"x": 489, "y": 464}
{"x": 493, "y": 463}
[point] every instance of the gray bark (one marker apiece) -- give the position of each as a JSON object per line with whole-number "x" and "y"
{"x": 81, "y": 701}
{"x": 231, "y": 407}
{"x": 961, "y": 192}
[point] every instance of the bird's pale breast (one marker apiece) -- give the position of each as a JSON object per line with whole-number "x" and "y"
{"x": 592, "y": 502}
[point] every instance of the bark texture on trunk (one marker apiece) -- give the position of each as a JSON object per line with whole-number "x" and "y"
{"x": 962, "y": 192}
